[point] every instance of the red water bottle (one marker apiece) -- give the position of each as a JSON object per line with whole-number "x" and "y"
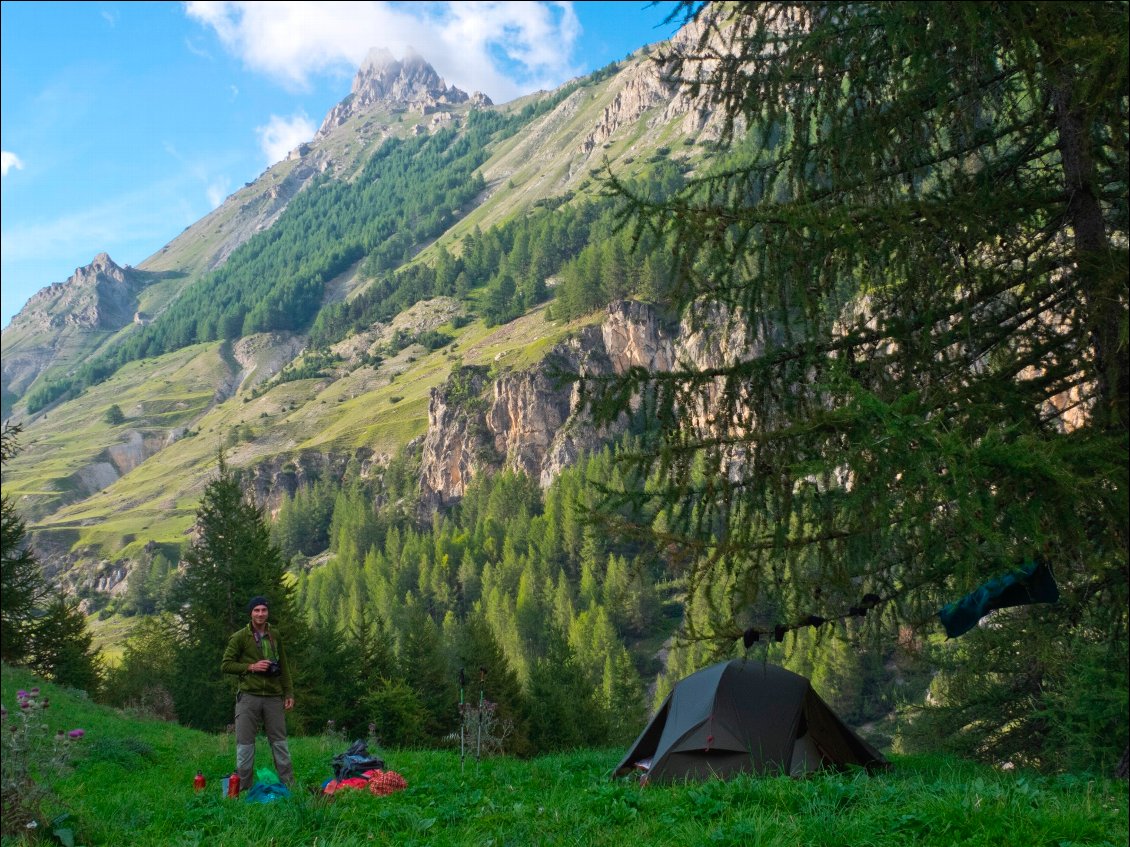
{"x": 233, "y": 785}
{"x": 198, "y": 783}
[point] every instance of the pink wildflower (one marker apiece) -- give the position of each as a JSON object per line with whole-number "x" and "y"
{"x": 77, "y": 733}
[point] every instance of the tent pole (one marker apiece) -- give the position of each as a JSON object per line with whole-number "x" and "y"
{"x": 479, "y": 738}
{"x": 462, "y": 721}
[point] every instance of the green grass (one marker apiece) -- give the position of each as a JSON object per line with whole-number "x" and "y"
{"x": 132, "y": 784}
{"x": 110, "y": 635}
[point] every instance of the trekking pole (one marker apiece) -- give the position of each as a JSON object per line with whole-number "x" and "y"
{"x": 462, "y": 720}
{"x": 479, "y": 735}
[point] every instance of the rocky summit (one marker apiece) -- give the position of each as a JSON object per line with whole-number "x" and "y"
{"x": 408, "y": 84}
{"x": 69, "y": 319}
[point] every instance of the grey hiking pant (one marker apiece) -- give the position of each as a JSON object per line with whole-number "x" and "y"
{"x": 251, "y": 712}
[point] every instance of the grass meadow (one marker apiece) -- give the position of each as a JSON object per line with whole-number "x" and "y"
{"x": 132, "y": 784}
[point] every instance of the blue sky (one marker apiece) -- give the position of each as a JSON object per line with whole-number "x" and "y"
{"x": 123, "y": 123}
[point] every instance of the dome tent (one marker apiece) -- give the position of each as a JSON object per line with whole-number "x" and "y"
{"x": 744, "y": 717}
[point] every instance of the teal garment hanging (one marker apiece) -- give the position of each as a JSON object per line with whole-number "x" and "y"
{"x": 1032, "y": 582}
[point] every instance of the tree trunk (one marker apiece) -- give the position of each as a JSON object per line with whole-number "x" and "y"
{"x": 1094, "y": 260}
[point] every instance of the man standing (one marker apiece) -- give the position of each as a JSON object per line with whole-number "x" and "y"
{"x": 256, "y": 655}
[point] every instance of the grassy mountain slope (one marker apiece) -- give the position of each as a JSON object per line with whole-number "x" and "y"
{"x": 96, "y": 493}
{"x": 355, "y": 407}
{"x": 132, "y": 784}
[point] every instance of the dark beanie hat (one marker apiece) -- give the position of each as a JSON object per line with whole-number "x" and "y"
{"x": 257, "y": 601}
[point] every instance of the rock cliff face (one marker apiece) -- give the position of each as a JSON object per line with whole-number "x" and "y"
{"x": 644, "y": 89}
{"x": 406, "y": 84}
{"x": 533, "y": 421}
{"x": 650, "y": 85}
{"x": 455, "y": 441}
{"x": 268, "y": 483}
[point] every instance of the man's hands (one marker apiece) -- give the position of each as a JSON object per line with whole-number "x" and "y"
{"x": 262, "y": 666}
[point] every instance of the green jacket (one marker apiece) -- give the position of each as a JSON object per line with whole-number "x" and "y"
{"x": 243, "y": 650}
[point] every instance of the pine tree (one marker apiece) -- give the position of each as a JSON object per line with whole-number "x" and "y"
{"x": 479, "y": 651}
{"x": 372, "y": 656}
{"x": 919, "y": 231}
{"x": 529, "y": 612}
{"x": 423, "y": 666}
{"x": 54, "y": 641}
{"x": 623, "y": 694}
{"x": 63, "y": 648}
{"x": 563, "y": 712}
{"x": 22, "y": 586}
{"x": 231, "y": 560}
{"x": 326, "y": 687}
{"x": 143, "y": 678}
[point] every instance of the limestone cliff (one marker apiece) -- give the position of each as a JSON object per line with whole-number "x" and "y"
{"x": 533, "y": 420}
{"x": 269, "y": 482}
{"x": 649, "y": 85}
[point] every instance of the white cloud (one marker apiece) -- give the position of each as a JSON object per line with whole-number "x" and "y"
{"x": 197, "y": 50}
{"x": 217, "y": 191}
{"x": 9, "y": 161}
{"x": 281, "y": 135}
{"x": 504, "y": 49}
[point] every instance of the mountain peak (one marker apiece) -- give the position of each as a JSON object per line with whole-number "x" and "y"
{"x": 378, "y": 57}
{"x": 407, "y": 83}
{"x": 102, "y": 264}
{"x": 100, "y": 295}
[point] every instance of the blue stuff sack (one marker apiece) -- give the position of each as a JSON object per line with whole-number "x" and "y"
{"x": 263, "y": 792}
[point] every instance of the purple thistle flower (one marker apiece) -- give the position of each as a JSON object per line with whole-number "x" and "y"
{"x": 21, "y": 695}
{"x": 76, "y": 733}
{"x": 35, "y": 692}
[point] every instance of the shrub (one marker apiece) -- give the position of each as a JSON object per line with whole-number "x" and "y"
{"x": 484, "y": 730}
{"x": 155, "y": 701}
{"x": 396, "y": 713}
